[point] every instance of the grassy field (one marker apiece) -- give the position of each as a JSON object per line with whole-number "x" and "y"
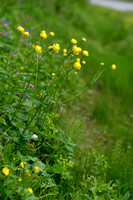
{"x": 99, "y": 121}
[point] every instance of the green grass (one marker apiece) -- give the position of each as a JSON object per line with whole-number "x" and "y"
{"x": 100, "y": 119}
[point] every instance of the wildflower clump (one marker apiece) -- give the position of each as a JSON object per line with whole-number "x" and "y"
{"x": 6, "y": 171}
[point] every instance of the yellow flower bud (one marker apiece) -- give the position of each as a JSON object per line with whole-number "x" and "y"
{"x": 85, "y": 53}
{"x": 73, "y": 41}
{"x": 53, "y": 74}
{"x": 36, "y": 169}
{"x": 21, "y": 29}
{"x": 20, "y": 179}
{"x": 78, "y": 59}
{"x": 56, "y": 47}
{"x": 22, "y": 68}
{"x": 43, "y": 34}
{"x": 26, "y": 33}
{"x": 84, "y": 39}
{"x": 77, "y": 65}
{"x": 102, "y": 63}
{"x": 52, "y": 34}
{"x": 64, "y": 51}
{"x": 113, "y": 67}
{"x": 30, "y": 190}
{"x": 22, "y": 164}
{"x": 83, "y": 62}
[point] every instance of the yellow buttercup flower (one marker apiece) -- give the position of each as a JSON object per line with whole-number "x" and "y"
{"x": 20, "y": 179}
{"x": 53, "y": 74}
{"x": 33, "y": 46}
{"x": 21, "y": 29}
{"x": 22, "y": 164}
{"x": 65, "y": 54}
{"x": 113, "y": 66}
{"x": 85, "y": 53}
{"x": 30, "y": 190}
{"x": 22, "y": 68}
{"x": 64, "y": 51}
{"x": 52, "y": 34}
{"x": 36, "y": 169}
{"x": 43, "y": 34}
{"x": 73, "y": 41}
{"x": 26, "y": 33}
{"x": 77, "y": 65}
{"x": 83, "y": 62}
{"x": 56, "y": 47}
{"x": 38, "y": 49}
{"x": 6, "y": 171}
{"x": 84, "y": 39}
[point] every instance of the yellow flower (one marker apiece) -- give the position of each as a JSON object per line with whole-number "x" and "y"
{"x": 84, "y": 39}
{"x": 30, "y": 190}
{"x": 65, "y": 54}
{"x": 20, "y": 179}
{"x": 33, "y": 46}
{"x": 29, "y": 174}
{"x": 6, "y": 171}
{"x": 27, "y": 171}
{"x": 113, "y": 66}
{"x": 14, "y": 159}
{"x": 73, "y": 41}
{"x": 52, "y": 34}
{"x": 75, "y": 73}
{"x": 77, "y": 65}
{"x": 43, "y": 34}
{"x": 50, "y": 47}
{"x": 36, "y": 169}
{"x": 53, "y": 74}
{"x": 22, "y": 164}
{"x": 76, "y": 50}
{"x": 64, "y": 51}
{"x": 38, "y": 49}
{"x": 22, "y": 68}
{"x": 18, "y": 169}
{"x": 102, "y": 63}
{"x": 21, "y": 29}
{"x": 26, "y": 33}
{"x": 78, "y": 59}
{"x": 85, "y": 53}
{"x": 56, "y": 47}
{"x": 83, "y": 62}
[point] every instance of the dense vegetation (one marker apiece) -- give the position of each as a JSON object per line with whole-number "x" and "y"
{"x": 65, "y": 132}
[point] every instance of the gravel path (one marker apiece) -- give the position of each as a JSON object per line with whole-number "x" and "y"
{"x": 117, "y": 5}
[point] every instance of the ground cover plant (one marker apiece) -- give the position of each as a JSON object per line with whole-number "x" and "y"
{"x": 51, "y": 141}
